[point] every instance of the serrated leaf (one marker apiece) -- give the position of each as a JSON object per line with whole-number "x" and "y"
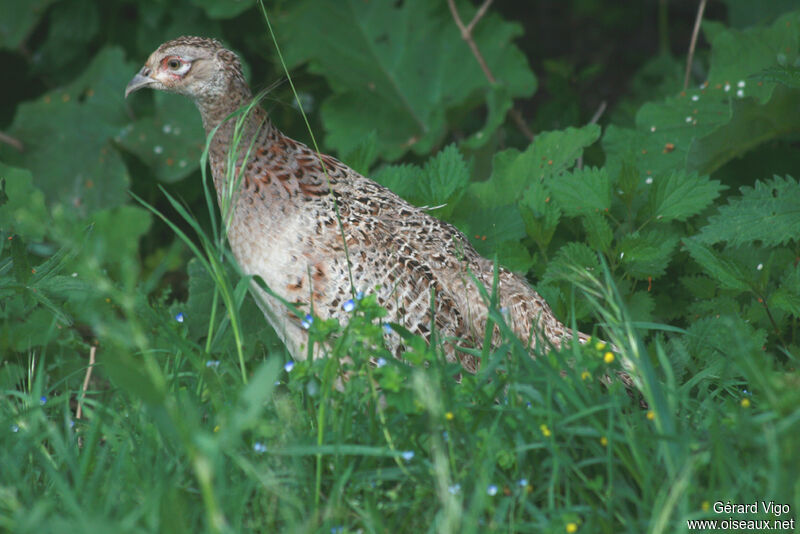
{"x": 769, "y": 212}
{"x": 787, "y": 75}
{"x": 598, "y": 231}
{"x": 581, "y": 191}
{"x": 24, "y": 211}
{"x": 679, "y": 195}
{"x": 568, "y": 258}
{"x": 398, "y": 67}
{"x": 401, "y": 179}
{"x": 728, "y": 273}
{"x": 646, "y": 254}
{"x": 487, "y": 229}
{"x": 550, "y": 154}
{"x": 67, "y": 131}
{"x": 445, "y": 178}
{"x": 787, "y": 296}
{"x": 170, "y": 141}
{"x": 539, "y": 214}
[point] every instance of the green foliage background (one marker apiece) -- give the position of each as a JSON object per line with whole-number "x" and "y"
{"x": 687, "y": 199}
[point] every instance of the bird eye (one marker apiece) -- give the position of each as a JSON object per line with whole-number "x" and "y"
{"x": 174, "y": 64}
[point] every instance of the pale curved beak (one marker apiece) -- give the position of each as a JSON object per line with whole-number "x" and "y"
{"x": 142, "y": 79}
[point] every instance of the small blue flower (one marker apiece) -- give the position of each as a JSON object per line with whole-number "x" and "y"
{"x": 746, "y": 392}
{"x": 259, "y": 447}
{"x": 491, "y": 490}
{"x": 15, "y": 428}
{"x": 523, "y": 482}
{"x": 212, "y": 364}
{"x": 445, "y": 436}
{"x": 307, "y": 321}
{"x": 359, "y": 295}
{"x": 387, "y": 328}
{"x": 42, "y": 400}
{"x": 288, "y": 366}
{"x": 71, "y": 423}
{"x": 337, "y": 530}
{"x": 455, "y": 488}
{"x": 407, "y": 455}
{"x": 380, "y": 362}
{"x": 179, "y": 317}
{"x": 528, "y": 405}
{"x": 349, "y": 306}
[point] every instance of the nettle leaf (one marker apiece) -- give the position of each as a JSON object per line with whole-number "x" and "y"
{"x": 539, "y": 214}
{"x": 550, "y": 154}
{"x": 703, "y": 128}
{"x": 399, "y": 67}
{"x": 24, "y": 211}
{"x": 401, "y": 179}
{"x": 582, "y": 191}
{"x": 769, "y": 212}
{"x": 498, "y": 103}
{"x": 646, "y": 254}
{"x": 727, "y": 272}
{"x": 570, "y": 257}
{"x": 598, "y": 232}
{"x": 438, "y": 185}
{"x": 170, "y": 141}
{"x": 787, "y": 75}
{"x": 446, "y": 176}
{"x": 679, "y": 195}
{"x": 67, "y": 136}
{"x": 787, "y": 296}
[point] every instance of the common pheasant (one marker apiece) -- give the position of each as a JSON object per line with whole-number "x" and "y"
{"x": 284, "y": 225}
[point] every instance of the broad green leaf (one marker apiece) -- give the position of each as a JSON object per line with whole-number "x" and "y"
{"x": 24, "y": 212}
{"x": 727, "y": 272}
{"x": 769, "y": 212}
{"x": 647, "y": 254}
{"x": 498, "y": 103}
{"x": 751, "y": 125}
{"x": 398, "y": 67}
{"x": 679, "y": 195}
{"x": 487, "y": 229}
{"x": 363, "y": 156}
{"x": 704, "y": 127}
{"x": 581, "y": 191}
{"x": 223, "y": 10}
{"x": 550, "y": 154}
{"x": 18, "y": 19}
{"x": 787, "y": 75}
{"x": 67, "y": 135}
{"x": 170, "y": 141}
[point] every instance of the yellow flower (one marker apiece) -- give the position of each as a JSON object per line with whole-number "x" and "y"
{"x": 449, "y": 416}
{"x": 651, "y": 415}
{"x": 609, "y": 357}
{"x": 600, "y": 345}
{"x": 545, "y": 431}
{"x": 572, "y": 527}
{"x": 745, "y": 403}
{"x": 586, "y": 375}
{"x": 216, "y": 428}
{"x": 705, "y": 506}
{"x": 604, "y": 441}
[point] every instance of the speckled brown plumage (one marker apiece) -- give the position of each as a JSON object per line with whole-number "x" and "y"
{"x": 284, "y": 225}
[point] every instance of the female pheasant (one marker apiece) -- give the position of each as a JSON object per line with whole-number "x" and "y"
{"x": 284, "y": 226}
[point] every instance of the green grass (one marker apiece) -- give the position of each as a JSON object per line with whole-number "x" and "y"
{"x": 198, "y": 425}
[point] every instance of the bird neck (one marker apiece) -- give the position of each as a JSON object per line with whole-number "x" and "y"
{"x": 232, "y": 131}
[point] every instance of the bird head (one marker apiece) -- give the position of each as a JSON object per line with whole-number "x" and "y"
{"x": 197, "y": 67}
